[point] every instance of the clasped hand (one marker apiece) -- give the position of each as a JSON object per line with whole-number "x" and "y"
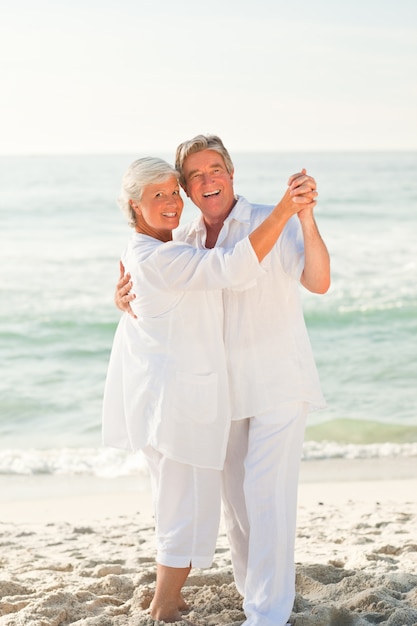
{"x": 303, "y": 190}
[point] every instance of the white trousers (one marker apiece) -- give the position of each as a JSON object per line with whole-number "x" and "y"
{"x": 187, "y": 511}
{"x": 260, "y": 480}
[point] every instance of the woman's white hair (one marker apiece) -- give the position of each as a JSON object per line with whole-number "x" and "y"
{"x": 145, "y": 171}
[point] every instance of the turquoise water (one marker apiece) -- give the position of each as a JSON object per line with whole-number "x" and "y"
{"x": 61, "y": 236}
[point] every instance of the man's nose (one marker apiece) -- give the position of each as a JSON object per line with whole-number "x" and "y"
{"x": 207, "y": 178}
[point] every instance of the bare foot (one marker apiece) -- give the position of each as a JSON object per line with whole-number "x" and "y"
{"x": 182, "y": 605}
{"x": 166, "y": 612}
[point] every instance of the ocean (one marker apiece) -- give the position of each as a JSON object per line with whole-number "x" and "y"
{"x": 61, "y": 237}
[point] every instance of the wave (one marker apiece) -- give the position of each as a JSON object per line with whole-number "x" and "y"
{"x": 99, "y": 462}
{"x": 359, "y": 439}
{"x": 109, "y": 463}
{"x": 320, "y": 450}
{"x": 361, "y": 433}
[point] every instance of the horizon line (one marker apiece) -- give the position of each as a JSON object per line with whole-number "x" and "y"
{"x": 234, "y": 151}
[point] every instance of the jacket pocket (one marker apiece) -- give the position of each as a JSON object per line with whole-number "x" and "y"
{"x": 196, "y": 398}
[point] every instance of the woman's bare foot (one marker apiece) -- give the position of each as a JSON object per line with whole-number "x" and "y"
{"x": 165, "y": 612}
{"x": 182, "y": 605}
{"x": 168, "y": 600}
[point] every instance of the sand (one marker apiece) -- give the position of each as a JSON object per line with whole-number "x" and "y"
{"x": 81, "y": 551}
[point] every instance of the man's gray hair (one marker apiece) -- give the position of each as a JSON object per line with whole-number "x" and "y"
{"x": 199, "y": 143}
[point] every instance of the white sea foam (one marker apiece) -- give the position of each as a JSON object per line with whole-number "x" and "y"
{"x": 315, "y": 450}
{"x": 100, "y": 462}
{"x": 111, "y": 463}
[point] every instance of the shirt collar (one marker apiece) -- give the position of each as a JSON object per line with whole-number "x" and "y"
{"x": 241, "y": 212}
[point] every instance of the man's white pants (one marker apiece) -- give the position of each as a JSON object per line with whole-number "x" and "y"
{"x": 187, "y": 511}
{"x": 260, "y": 480}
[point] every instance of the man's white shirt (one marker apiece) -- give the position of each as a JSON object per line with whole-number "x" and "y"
{"x": 269, "y": 355}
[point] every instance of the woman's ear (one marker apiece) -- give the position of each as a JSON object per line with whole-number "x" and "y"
{"x": 135, "y": 206}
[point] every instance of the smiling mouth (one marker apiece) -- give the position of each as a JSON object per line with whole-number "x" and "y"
{"x": 170, "y": 214}
{"x": 208, "y": 194}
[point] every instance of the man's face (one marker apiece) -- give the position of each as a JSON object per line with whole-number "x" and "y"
{"x": 209, "y": 184}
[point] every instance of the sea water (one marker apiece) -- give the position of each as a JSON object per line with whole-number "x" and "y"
{"x": 61, "y": 234}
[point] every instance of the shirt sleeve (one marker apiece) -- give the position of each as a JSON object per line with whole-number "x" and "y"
{"x": 291, "y": 248}
{"x": 182, "y": 267}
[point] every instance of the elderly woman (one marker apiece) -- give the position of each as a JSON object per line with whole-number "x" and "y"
{"x": 166, "y": 391}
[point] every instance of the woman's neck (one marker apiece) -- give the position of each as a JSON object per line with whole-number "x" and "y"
{"x": 144, "y": 228}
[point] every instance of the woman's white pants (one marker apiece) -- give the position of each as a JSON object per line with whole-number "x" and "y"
{"x": 260, "y": 480}
{"x": 187, "y": 511}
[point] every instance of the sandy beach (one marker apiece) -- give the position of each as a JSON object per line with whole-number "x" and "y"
{"x": 81, "y": 551}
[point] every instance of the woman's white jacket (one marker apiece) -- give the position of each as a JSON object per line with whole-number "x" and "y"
{"x": 167, "y": 383}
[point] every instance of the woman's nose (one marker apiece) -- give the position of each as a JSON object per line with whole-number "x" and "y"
{"x": 173, "y": 200}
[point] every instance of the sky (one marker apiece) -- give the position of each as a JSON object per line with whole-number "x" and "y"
{"x": 139, "y": 76}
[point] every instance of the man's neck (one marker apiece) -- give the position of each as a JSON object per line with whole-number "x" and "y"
{"x": 213, "y": 231}
{"x": 213, "y": 227}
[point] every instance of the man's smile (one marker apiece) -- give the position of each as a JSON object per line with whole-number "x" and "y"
{"x": 211, "y": 193}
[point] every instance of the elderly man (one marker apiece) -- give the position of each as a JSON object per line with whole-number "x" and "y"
{"x": 272, "y": 375}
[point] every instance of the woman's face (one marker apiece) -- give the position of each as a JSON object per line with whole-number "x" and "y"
{"x": 160, "y": 207}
